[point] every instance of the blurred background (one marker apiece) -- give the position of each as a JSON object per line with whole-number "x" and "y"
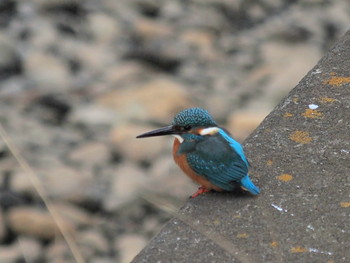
{"x": 80, "y": 79}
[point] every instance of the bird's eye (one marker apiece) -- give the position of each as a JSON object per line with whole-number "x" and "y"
{"x": 187, "y": 127}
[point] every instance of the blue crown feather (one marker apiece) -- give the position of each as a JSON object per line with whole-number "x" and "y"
{"x": 195, "y": 117}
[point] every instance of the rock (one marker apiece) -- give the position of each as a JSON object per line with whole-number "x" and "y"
{"x": 47, "y": 72}
{"x": 148, "y": 8}
{"x": 54, "y": 3}
{"x": 8, "y": 54}
{"x": 103, "y": 27}
{"x": 10, "y": 254}
{"x": 103, "y": 260}
{"x": 58, "y": 252}
{"x": 129, "y": 245}
{"x": 257, "y": 13}
{"x": 201, "y": 40}
{"x": 173, "y": 10}
{"x": 13, "y": 86}
{"x": 151, "y": 225}
{"x": 279, "y": 82}
{"x": 61, "y": 182}
{"x": 150, "y": 29}
{"x": 93, "y": 115}
{"x": 30, "y": 249}
{"x": 65, "y": 183}
{"x": 73, "y": 214}
{"x": 90, "y": 154}
{"x": 21, "y": 183}
{"x": 93, "y": 56}
{"x": 50, "y": 108}
{"x": 124, "y": 143}
{"x": 166, "y": 178}
{"x": 126, "y": 73}
{"x": 219, "y": 106}
{"x": 3, "y": 147}
{"x": 94, "y": 241}
{"x": 157, "y": 100}
{"x": 304, "y": 57}
{"x": 43, "y": 32}
{"x": 9, "y": 13}
{"x": 241, "y": 124}
{"x": 34, "y": 222}
{"x": 2, "y": 227}
{"x": 125, "y": 186}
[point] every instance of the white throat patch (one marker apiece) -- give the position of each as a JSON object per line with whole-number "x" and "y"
{"x": 178, "y": 137}
{"x": 209, "y": 131}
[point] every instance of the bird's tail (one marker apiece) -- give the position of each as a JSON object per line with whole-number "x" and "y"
{"x": 248, "y": 184}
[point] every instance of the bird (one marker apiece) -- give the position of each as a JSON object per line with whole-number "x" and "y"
{"x": 206, "y": 152}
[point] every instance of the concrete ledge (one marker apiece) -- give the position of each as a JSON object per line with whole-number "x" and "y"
{"x": 300, "y": 158}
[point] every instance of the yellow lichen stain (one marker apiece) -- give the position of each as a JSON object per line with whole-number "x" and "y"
{"x": 269, "y": 162}
{"x": 288, "y": 115}
{"x": 216, "y": 222}
{"x": 312, "y": 114}
{"x": 237, "y": 216}
{"x": 345, "y": 204}
{"x": 337, "y": 81}
{"x": 332, "y": 73}
{"x": 298, "y": 250}
{"x": 242, "y": 235}
{"x": 330, "y": 261}
{"x": 273, "y": 244}
{"x": 301, "y": 137}
{"x": 295, "y": 100}
{"x": 285, "y": 177}
{"x": 326, "y": 100}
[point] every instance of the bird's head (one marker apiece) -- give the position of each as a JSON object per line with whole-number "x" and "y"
{"x": 194, "y": 121}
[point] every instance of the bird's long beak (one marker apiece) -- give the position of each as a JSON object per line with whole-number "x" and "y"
{"x": 159, "y": 132}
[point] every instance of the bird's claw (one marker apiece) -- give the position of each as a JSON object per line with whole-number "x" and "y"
{"x": 201, "y": 190}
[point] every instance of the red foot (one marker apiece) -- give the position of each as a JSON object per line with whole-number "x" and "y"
{"x": 201, "y": 190}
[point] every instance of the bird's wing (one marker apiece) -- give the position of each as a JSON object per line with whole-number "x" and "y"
{"x": 217, "y": 161}
{"x": 234, "y": 144}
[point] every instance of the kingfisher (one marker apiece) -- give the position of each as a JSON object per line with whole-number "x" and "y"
{"x": 206, "y": 152}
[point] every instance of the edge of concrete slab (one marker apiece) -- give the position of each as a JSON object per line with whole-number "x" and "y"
{"x": 300, "y": 156}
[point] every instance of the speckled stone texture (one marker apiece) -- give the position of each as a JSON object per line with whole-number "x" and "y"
{"x": 300, "y": 156}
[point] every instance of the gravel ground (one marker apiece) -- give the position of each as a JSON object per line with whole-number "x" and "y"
{"x": 80, "y": 79}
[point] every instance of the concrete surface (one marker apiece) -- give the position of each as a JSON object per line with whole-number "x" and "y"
{"x": 300, "y": 158}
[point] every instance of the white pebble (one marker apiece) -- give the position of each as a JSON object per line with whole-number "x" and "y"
{"x": 313, "y": 106}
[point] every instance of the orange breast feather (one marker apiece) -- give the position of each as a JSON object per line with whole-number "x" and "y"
{"x": 181, "y": 161}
